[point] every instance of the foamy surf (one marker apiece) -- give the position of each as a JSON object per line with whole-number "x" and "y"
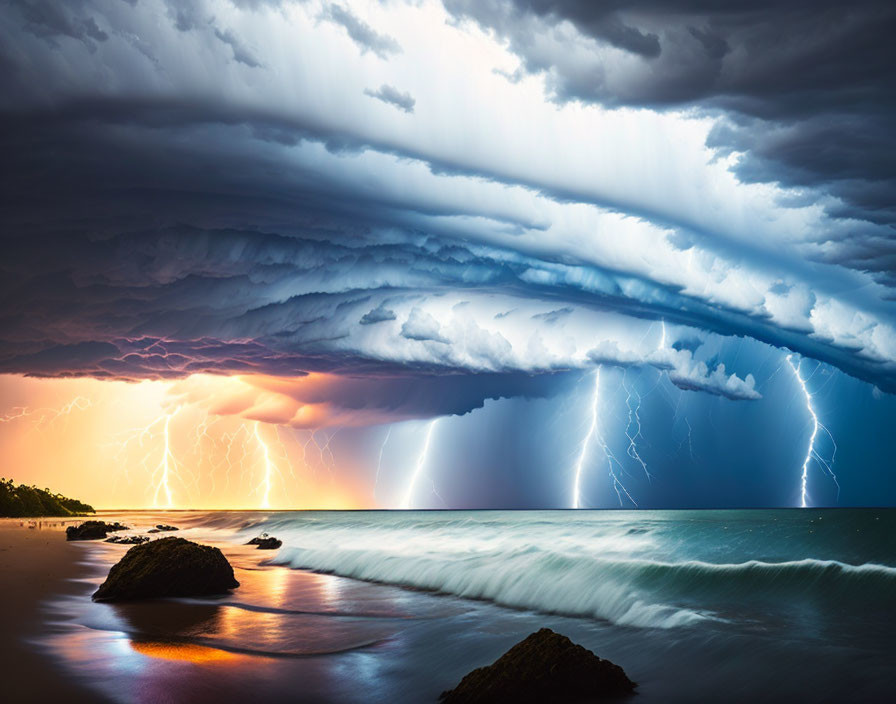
{"x": 607, "y": 569}
{"x": 527, "y": 579}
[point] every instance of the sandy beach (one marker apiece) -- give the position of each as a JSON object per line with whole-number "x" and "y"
{"x": 36, "y": 564}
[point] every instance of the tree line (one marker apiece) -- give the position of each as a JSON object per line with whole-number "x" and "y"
{"x": 28, "y": 501}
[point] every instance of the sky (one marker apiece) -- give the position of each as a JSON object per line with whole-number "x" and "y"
{"x": 456, "y": 254}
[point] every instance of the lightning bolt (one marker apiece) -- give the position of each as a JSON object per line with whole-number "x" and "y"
{"x": 265, "y": 487}
{"x": 45, "y": 417}
{"x": 812, "y": 452}
{"x": 594, "y": 434}
{"x": 230, "y": 439}
{"x": 421, "y": 463}
{"x": 16, "y": 413}
{"x": 324, "y": 451}
{"x": 634, "y": 420}
{"x": 168, "y": 463}
{"x": 379, "y": 463}
{"x": 690, "y": 443}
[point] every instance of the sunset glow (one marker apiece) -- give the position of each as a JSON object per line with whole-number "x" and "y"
{"x": 133, "y": 444}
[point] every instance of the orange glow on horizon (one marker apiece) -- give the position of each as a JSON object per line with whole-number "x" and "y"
{"x": 205, "y": 442}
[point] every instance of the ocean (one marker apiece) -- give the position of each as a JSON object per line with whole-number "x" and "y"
{"x": 793, "y": 605}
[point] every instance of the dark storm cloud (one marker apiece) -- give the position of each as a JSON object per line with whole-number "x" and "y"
{"x": 48, "y": 19}
{"x": 392, "y": 96}
{"x": 812, "y": 81}
{"x": 190, "y": 113}
{"x": 183, "y": 283}
{"x": 365, "y": 36}
{"x": 155, "y": 236}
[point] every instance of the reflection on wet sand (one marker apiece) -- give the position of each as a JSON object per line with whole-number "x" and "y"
{"x": 281, "y": 632}
{"x": 184, "y": 652}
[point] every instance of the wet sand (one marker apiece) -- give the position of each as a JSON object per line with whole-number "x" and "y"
{"x": 35, "y": 565}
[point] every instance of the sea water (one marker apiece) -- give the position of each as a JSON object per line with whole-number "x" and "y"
{"x": 774, "y": 605}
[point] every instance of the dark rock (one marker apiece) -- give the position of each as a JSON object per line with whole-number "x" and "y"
{"x": 162, "y": 528}
{"x": 266, "y": 542}
{"x": 92, "y": 530}
{"x": 167, "y": 567}
{"x": 545, "y": 667}
{"x": 269, "y": 544}
{"x": 128, "y": 539}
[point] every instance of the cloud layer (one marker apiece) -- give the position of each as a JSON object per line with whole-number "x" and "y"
{"x": 210, "y": 188}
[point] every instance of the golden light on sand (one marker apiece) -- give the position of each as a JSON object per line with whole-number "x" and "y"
{"x": 184, "y": 652}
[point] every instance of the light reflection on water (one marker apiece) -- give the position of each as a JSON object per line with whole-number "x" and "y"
{"x": 183, "y": 652}
{"x": 292, "y": 635}
{"x": 281, "y": 627}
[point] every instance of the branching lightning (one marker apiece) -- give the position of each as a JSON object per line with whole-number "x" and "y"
{"x": 812, "y": 452}
{"x": 324, "y": 451}
{"x": 247, "y": 447}
{"x": 167, "y": 465}
{"x": 45, "y": 417}
{"x": 633, "y": 426}
{"x": 161, "y": 466}
{"x": 264, "y": 487}
{"x": 595, "y": 435}
{"x": 421, "y": 464}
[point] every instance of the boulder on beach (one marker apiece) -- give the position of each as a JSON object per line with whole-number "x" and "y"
{"x": 128, "y": 539}
{"x": 266, "y": 542}
{"x": 162, "y": 528}
{"x": 92, "y": 530}
{"x": 545, "y": 667}
{"x": 167, "y": 567}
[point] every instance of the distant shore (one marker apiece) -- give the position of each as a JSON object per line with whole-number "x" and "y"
{"x": 35, "y": 565}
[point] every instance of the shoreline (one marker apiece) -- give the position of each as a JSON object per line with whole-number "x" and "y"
{"x": 291, "y": 633}
{"x": 36, "y": 564}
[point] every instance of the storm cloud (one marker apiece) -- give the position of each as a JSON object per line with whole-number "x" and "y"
{"x": 805, "y": 89}
{"x": 217, "y": 205}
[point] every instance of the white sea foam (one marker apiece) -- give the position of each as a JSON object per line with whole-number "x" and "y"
{"x": 606, "y": 570}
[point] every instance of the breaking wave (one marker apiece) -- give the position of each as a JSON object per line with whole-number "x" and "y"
{"x": 626, "y": 592}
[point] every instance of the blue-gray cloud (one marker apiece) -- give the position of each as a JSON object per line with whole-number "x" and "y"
{"x": 153, "y": 234}
{"x": 392, "y": 96}
{"x": 816, "y": 113}
{"x": 365, "y": 36}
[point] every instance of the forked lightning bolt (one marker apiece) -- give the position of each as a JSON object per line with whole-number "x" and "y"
{"x": 265, "y": 487}
{"x": 45, "y": 417}
{"x": 817, "y": 426}
{"x": 421, "y": 464}
{"x": 595, "y": 435}
{"x": 168, "y": 464}
{"x": 633, "y": 427}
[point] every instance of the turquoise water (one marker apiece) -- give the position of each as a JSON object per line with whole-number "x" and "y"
{"x": 774, "y": 605}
